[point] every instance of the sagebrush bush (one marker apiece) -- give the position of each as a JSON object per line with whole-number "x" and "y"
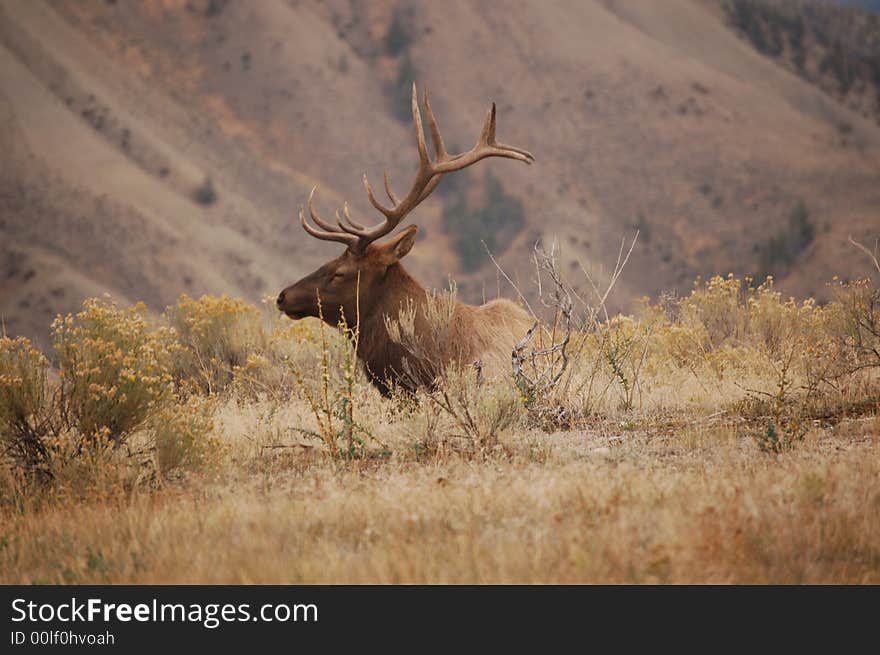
{"x": 113, "y": 374}
{"x": 715, "y": 311}
{"x": 726, "y": 342}
{"x": 218, "y": 335}
{"x": 461, "y": 413}
{"x": 183, "y": 436}
{"x": 25, "y": 402}
{"x": 114, "y": 370}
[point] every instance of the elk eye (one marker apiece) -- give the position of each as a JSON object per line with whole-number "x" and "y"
{"x": 338, "y": 276}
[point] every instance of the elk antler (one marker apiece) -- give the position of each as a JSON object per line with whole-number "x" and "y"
{"x": 357, "y": 236}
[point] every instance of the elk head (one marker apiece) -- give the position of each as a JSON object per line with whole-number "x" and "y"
{"x": 360, "y": 280}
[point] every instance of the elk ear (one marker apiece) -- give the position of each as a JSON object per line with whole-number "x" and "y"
{"x": 397, "y": 248}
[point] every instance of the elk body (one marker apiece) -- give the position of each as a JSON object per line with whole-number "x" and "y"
{"x": 370, "y": 286}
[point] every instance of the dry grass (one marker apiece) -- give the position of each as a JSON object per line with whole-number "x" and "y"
{"x": 656, "y": 468}
{"x": 588, "y": 506}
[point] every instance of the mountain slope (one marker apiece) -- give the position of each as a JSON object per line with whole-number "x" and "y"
{"x": 641, "y": 115}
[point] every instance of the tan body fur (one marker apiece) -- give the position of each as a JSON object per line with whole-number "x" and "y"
{"x": 485, "y": 333}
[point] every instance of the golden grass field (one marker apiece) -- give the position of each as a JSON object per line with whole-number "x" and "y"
{"x": 730, "y": 436}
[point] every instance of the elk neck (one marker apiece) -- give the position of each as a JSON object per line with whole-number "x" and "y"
{"x": 380, "y": 355}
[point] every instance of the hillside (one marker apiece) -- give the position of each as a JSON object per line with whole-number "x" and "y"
{"x": 834, "y": 47}
{"x": 641, "y": 115}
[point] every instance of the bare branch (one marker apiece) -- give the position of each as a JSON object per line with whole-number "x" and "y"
{"x": 506, "y": 277}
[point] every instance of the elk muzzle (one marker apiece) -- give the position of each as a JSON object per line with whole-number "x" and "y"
{"x": 297, "y": 302}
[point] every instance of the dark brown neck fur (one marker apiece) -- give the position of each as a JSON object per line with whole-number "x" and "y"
{"x": 382, "y": 358}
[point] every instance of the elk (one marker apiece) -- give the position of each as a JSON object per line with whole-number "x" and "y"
{"x": 368, "y": 285}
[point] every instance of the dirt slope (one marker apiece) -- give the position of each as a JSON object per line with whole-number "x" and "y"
{"x": 641, "y": 114}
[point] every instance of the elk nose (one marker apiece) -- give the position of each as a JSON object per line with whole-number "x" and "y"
{"x": 280, "y": 299}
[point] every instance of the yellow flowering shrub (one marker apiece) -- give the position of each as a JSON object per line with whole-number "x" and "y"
{"x": 182, "y": 435}
{"x": 114, "y": 370}
{"x": 715, "y": 310}
{"x": 25, "y": 397}
{"x": 218, "y": 335}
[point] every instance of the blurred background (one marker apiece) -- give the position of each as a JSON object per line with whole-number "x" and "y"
{"x": 158, "y": 147}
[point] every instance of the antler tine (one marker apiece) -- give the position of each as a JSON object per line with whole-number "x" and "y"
{"x": 487, "y": 138}
{"x": 422, "y": 185}
{"x": 525, "y": 155}
{"x": 388, "y": 190}
{"x": 320, "y": 222}
{"x": 487, "y": 135}
{"x": 440, "y": 152}
{"x": 424, "y": 168}
{"x": 349, "y": 219}
{"x": 341, "y": 237}
{"x": 361, "y": 231}
{"x": 352, "y": 227}
{"x": 339, "y": 222}
{"x": 439, "y": 147}
{"x": 372, "y": 198}
{"x": 424, "y": 160}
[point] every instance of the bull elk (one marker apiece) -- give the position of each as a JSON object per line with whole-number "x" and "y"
{"x": 368, "y": 281}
